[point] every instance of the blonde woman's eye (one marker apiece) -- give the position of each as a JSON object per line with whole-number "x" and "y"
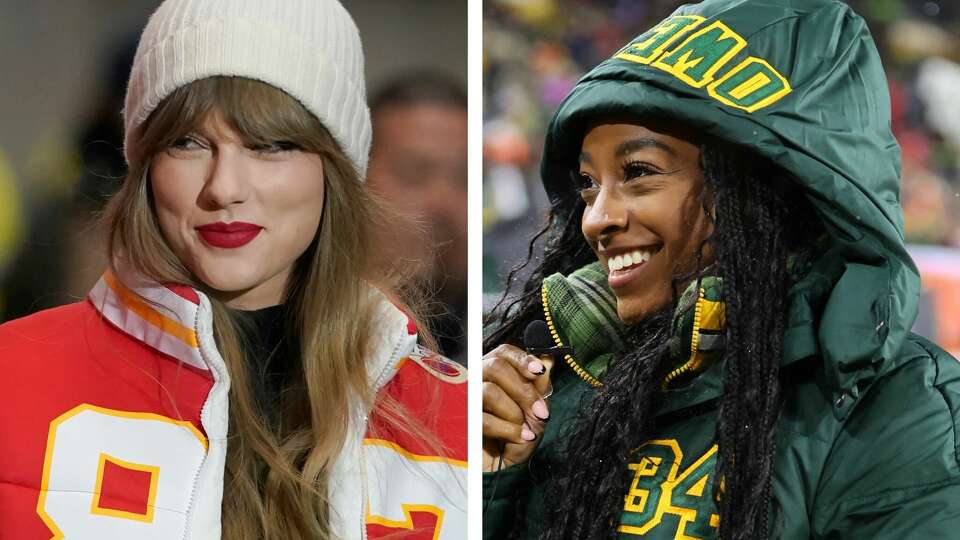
{"x": 275, "y": 147}
{"x": 187, "y": 142}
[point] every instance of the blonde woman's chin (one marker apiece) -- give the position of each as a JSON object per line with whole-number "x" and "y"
{"x": 244, "y": 286}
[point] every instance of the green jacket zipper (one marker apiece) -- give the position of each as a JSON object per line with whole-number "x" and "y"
{"x": 582, "y": 373}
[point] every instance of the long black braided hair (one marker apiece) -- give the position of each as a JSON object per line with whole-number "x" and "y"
{"x": 762, "y": 219}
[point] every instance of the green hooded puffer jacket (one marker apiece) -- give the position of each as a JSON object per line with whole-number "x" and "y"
{"x": 868, "y": 444}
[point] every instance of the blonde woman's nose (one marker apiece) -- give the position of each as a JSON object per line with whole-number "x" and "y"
{"x": 228, "y": 178}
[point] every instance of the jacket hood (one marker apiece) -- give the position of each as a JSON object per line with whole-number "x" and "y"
{"x": 799, "y": 82}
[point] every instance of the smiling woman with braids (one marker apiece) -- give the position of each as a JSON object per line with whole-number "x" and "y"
{"x": 725, "y": 258}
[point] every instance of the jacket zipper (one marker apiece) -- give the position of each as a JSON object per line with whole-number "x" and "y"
{"x": 206, "y": 402}
{"x": 363, "y": 483}
{"x": 582, "y": 373}
{"x": 692, "y": 362}
{"x": 365, "y": 416}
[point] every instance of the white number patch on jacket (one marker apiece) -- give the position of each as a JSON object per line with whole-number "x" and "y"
{"x": 414, "y": 499}
{"x": 117, "y": 474}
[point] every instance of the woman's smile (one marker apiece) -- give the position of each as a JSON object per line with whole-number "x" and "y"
{"x": 627, "y": 264}
{"x": 229, "y": 235}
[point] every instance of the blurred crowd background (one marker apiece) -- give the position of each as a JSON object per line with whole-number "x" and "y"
{"x": 535, "y": 50}
{"x": 64, "y": 71}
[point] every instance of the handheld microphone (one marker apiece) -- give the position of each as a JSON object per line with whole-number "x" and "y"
{"x": 537, "y": 340}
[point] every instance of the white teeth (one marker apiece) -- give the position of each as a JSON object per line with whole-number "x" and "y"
{"x": 630, "y": 259}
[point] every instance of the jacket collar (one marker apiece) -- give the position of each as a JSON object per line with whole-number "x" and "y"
{"x": 176, "y": 320}
{"x": 583, "y": 311}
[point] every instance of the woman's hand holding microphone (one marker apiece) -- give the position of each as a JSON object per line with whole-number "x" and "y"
{"x": 516, "y": 388}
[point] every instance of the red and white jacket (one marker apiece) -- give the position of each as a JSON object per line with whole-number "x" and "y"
{"x": 114, "y": 426}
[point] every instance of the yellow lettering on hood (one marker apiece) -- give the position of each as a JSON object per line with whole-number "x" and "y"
{"x": 750, "y": 85}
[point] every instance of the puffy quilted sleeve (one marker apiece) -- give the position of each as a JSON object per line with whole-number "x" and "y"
{"x": 894, "y": 470}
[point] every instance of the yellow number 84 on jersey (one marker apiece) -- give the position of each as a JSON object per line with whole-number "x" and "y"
{"x": 663, "y": 496}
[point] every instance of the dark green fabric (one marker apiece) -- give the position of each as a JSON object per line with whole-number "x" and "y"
{"x": 867, "y": 444}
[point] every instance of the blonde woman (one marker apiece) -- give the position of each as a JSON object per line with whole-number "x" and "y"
{"x": 245, "y": 368}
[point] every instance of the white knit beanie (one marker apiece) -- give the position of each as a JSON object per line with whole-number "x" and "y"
{"x": 308, "y": 48}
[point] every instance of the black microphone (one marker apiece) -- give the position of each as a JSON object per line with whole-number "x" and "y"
{"x": 537, "y": 340}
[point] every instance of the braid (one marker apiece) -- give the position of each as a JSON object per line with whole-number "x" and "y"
{"x": 754, "y": 228}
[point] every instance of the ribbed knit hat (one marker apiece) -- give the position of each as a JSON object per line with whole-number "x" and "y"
{"x": 310, "y": 49}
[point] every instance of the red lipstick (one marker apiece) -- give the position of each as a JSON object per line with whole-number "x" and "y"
{"x": 229, "y": 235}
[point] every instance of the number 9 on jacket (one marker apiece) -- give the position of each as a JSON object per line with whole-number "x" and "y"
{"x": 110, "y": 473}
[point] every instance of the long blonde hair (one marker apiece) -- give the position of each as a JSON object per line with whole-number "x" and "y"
{"x": 276, "y": 476}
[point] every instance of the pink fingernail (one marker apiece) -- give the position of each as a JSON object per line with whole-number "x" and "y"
{"x": 527, "y": 435}
{"x": 540, "y": 410}
{"x": 536, "y": 367}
